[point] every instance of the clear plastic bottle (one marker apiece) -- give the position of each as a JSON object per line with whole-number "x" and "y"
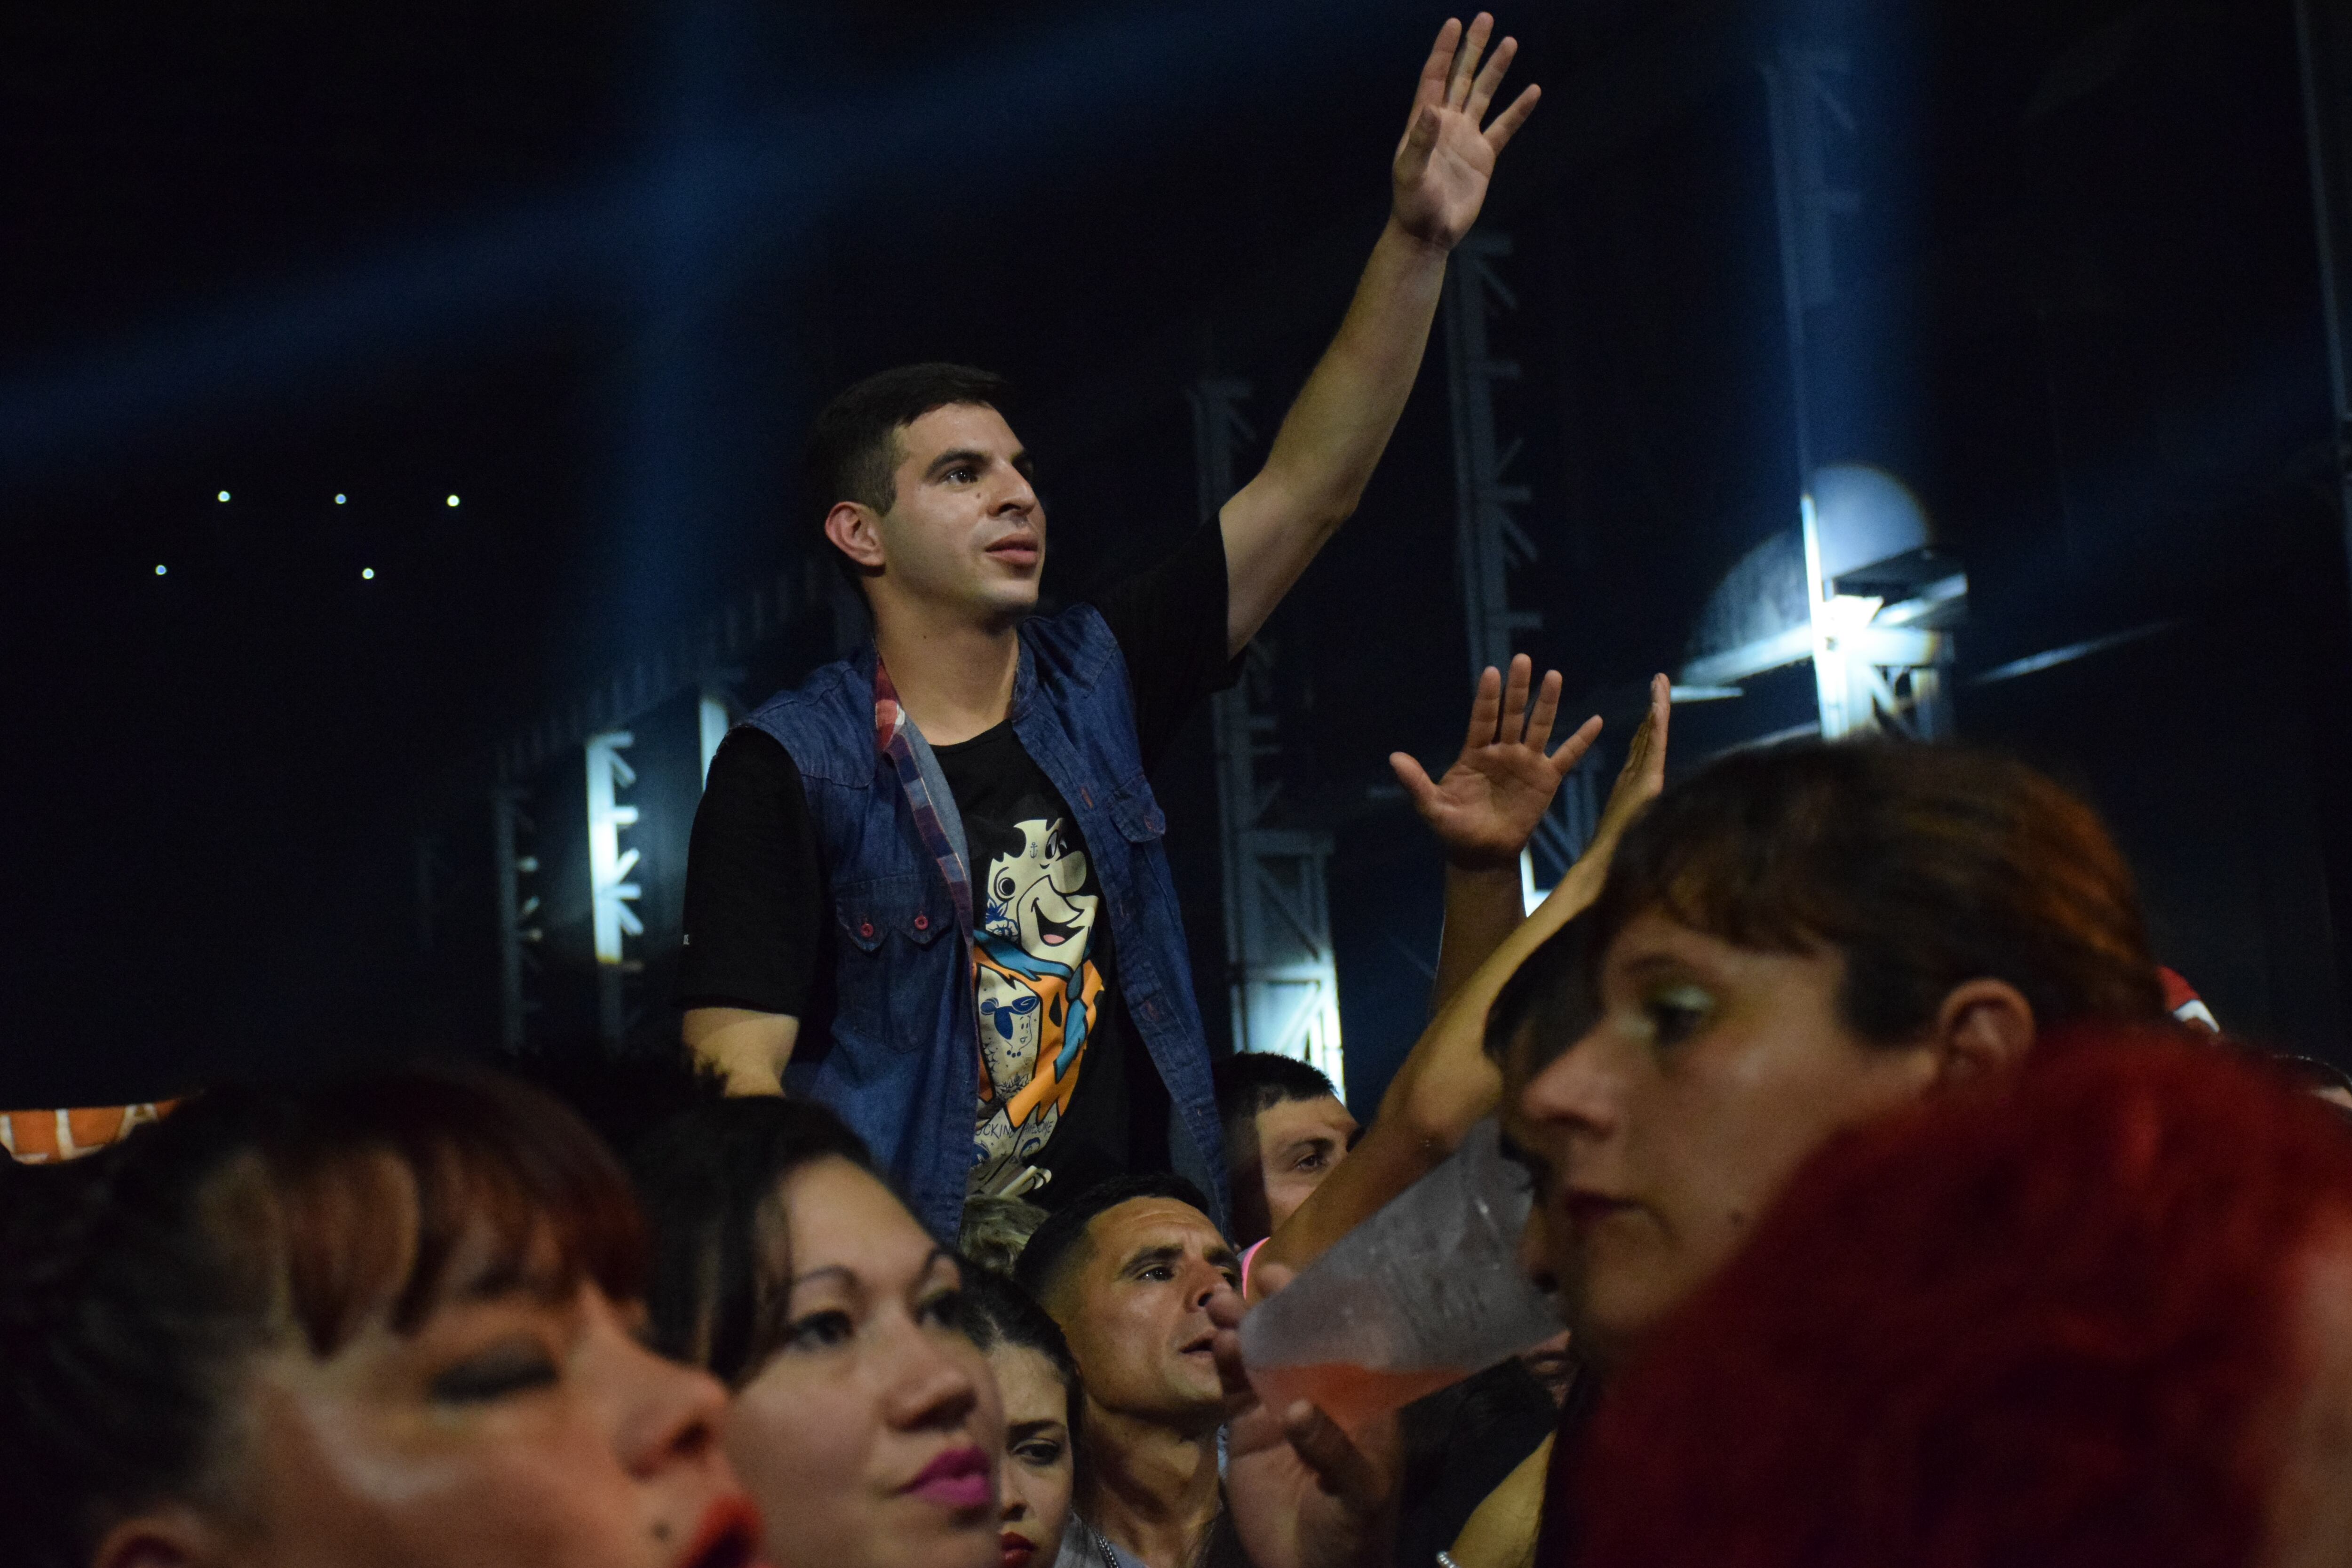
{"x": 1421, "y": 1295}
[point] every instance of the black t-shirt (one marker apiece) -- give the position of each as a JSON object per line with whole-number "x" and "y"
{"x": 758, "y": 934}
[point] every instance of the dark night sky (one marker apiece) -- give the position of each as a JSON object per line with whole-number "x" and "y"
{"x": 591, "y": 266}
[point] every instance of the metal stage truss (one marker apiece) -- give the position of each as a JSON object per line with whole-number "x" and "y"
{"x": 1283, "y": 985}
{"x": 1489, "y": 543}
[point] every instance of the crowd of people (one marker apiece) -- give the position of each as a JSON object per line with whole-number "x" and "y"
{"x": 1896, "y": 1206}
{"x": 1891, "y": 1215}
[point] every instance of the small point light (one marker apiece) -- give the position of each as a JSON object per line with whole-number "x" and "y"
{"x": 223, "y": 495}
{"x": 368, "y": 573}
{"x": 339, "y": 497}
{"x": 453, "y": 500}
{"x": 158, "y": 569}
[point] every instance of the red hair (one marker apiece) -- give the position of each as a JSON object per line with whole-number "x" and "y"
{"x": 2041, "y": 1324}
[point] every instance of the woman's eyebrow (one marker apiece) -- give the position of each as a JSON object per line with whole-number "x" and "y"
{"x": 1020, "y": 1429}
{"x": 846, "y": 1276}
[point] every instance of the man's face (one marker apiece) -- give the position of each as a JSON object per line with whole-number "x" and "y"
{"x": 966, "y": 531}
{"x": 1299, "y": 1142}
{"x": 1135, "y": 1308}
{"x": 1657, "y": 1139}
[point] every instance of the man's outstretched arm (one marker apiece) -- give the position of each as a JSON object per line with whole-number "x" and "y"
{"x": 1334, "y": 433}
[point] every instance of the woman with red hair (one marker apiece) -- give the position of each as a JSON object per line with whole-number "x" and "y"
{"x": 2097, "y": 1312}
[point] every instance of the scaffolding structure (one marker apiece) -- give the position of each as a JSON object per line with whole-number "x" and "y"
{"x": 1281, "y": 981}
{"x": 1489, "y": 543}
{"x": 517, "y": 914}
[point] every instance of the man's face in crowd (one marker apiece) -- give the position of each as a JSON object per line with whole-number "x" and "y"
{"x": 1135, "y": 1309}
{"x": 966, "y": 529}
{"x": 1299, "y": 1142}
{"x": 1657, "y": 1139}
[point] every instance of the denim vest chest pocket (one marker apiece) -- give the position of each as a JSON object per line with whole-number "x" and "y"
{"x": 885, "y": 999}
{"x": 1137, "y": 811}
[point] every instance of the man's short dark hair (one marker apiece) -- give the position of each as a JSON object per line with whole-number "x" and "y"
{"x": 1252, "y": 1081}
{"x": 852, "y": 452}
{"x": 1059, "y": 1245}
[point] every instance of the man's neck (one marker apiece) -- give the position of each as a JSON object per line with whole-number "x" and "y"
{"x": 954, "y": 676}
{"x": 1149, "y": 1488}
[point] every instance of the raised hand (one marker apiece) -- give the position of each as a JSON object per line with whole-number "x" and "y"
{"x": 1489, "y": 801}
{"x": 1447, "y": 154}
{"x": 1645, "y": 772}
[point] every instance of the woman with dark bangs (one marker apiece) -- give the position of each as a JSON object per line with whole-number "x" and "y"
{"x": 384, "y": 1324}
{"x": 864, "y": 1418}
{"x": 1790, "y": 944}
{"x": 2099, "y": 1316}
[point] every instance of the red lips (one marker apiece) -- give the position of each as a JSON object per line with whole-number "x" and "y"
{"x": 1017, "y": 1550}
{"x": 727, "y": 1537}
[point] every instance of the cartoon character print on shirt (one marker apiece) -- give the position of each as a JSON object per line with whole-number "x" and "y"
{"x": 1038, "y": 991}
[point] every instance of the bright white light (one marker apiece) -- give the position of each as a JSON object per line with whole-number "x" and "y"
{"x": 367, "y": 573}
{"x": 714, "y": 720}
{"x": 453, "y": 500}
{"x": 223, "y": 495}
{"x": 158, "y": 569}
{"x": 610, "y": 892}
{"x": 339, "y": 497}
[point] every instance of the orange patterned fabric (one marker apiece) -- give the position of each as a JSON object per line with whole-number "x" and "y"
{"x": 39, "y": 1137}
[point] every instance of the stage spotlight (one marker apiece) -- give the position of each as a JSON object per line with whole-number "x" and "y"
{"x": 158, "y": 569}
{"x": 367, "y": 573}
{"x": 339, "y": 497}
{"x": 453, "y": 500}
{"x": 224, "y": 496}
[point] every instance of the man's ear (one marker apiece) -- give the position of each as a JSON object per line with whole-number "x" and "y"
{"x": 172, "y": 1535}
{"x": 1985, "y": 1026}
{"x": 856, "y": 532}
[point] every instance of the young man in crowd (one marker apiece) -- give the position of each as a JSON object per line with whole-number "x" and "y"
{"x": 942, "y": 856}
{"x": 1286, "y": 1129}
{"x": 1128, "y": 1269}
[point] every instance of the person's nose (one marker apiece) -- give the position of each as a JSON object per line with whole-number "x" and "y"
{"x": 1015, "y": 495}
{"x": 670, "y": 1416}
{"x": 1208, "y": 1284}
{"x": 930, "y": 1385}
{"x": 1576, "y": 1095}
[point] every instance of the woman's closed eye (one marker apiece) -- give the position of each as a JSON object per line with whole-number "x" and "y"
{"x": 504, "y": 1369}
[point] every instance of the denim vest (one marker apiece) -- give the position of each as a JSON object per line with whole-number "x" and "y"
{"x": 902, "y": 1064}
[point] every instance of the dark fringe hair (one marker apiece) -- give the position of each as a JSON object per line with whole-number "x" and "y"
{"x": 142, "y": 1280}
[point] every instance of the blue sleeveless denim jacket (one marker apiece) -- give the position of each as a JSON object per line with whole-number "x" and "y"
{"x": 902, "y": 1063}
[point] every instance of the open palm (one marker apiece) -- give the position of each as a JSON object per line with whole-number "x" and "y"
{"x": 1447, "y": 153}
{"x": 1484, "y": 807}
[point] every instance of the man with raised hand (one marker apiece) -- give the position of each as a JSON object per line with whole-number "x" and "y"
{"x": 926, "y": 886}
